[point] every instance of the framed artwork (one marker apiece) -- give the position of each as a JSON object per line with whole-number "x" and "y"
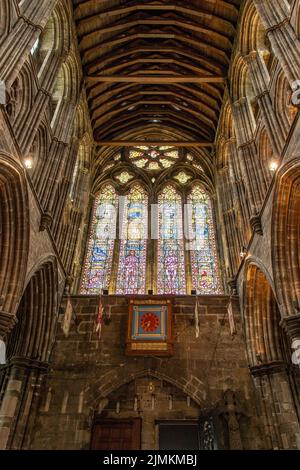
{"x": 150, "y": 328}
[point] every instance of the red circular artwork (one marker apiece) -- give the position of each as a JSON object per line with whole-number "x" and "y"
{"x": 149, "y": 322}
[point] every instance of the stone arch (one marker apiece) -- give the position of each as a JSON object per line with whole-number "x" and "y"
{"x": 65, "y": 92}
{"x": 39, "y": 151}
{"x": 33, "y": 336}
{"x": 116, "y": 378}
{"x": 266, "y": 155}
{"x": 20, "y": 97}
{"x": 285, "y": 239}
{"x": 261, "y": 317}
{"x": 241, "y": 87}
{"x": 14, "y": 234}
{"x": 253, "y": 37}
{"x": 296, "y": 17}
{"x": 283, "y": 101}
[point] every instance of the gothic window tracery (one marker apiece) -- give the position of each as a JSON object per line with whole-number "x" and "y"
{"x": 171, "y": 267}
{"x": 153, "y": 158}
{"x": 133, "y": 248}
{"x": 101, "y": 244}
{"x": 204, "y": 260}
{"x": 183, "y": 254}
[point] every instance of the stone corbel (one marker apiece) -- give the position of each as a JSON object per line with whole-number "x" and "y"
{"x": 255, "y": 222}
{"x": 46, "y": 221}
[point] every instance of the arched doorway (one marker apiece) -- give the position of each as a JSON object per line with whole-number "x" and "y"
{"x": 269, "y": 361}
{"x": 150, "y": 413}
{"x": 28, "y": 350}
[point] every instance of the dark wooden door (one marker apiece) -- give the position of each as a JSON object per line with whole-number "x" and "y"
{"x": 112, "y": 434}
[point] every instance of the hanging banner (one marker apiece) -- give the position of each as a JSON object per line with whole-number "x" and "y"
{"x": 67, "y": 317}
{"x": 231, "y": 318}
{"x": 2, "y": 352}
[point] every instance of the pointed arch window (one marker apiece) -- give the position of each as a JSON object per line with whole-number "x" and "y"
{"x": 131, "y": 276}
{"x": 202, "y": 243}
{"x": 170, "y": 253}
{"x": 98, "y": 267}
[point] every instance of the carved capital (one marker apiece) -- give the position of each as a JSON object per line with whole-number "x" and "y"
{"x": 291, "y": 326}
{"x": 250, "y": 57}
{"x": 46, "y": 221}
{"x": 255, "y": 222}
{"x": 268, "y": 368}
{"x": 7, "y": 323}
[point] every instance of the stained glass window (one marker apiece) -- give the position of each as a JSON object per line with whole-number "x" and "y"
{"x": 133, "y": 246}
{"x": 170, "y": 256}
{"x": 202, "y": 245}
{"x": 153, "y": 158}
{"x": 98, "y": 266}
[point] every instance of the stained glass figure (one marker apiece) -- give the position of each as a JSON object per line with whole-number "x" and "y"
{"x": 202, "y": 245}
{"x": 133, "y": 246}
{"x": 153, "y": 158}
{"x": 170, "y": 256}
{"x": 97, "y": 271}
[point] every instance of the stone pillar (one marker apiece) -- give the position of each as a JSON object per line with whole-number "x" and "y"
{"x": 26, "y": 130}
{"x": 281, "y": 424}
{"x": 9, "y": 404}
{"x": 260, "y": 81}
{"x": 285, "y": 44}
{"x": 233, "y": 243}
{"x": 19, "y": 401}
{"x": 55, "y": 159}
{"x": 247, "y": 152}
{"x": 24, "y": 33}
{"x": 239, "y": 195}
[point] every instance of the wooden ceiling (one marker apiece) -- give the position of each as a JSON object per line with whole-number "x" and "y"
{"x": 155, "y": 70}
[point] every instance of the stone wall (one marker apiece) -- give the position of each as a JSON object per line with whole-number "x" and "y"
{"x": 88, "y": 375}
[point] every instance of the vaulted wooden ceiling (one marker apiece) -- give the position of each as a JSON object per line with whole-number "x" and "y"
{"x": 155, "y": 70}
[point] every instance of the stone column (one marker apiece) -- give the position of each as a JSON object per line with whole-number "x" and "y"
{"x": 247, "y": 152}
{"x": 260, "y": 81}
{"x": 285, "y": 44}
{"x": 22, "y": 388}
{"x": 281, "y": 425}
{"x": 24, "y": 33}
{"x": 239, "y": 193}
{"x": 59, "y": 170}
{"x": 233, "y": 243}
{"x": 9, "y": 404}
{"x": 26, "y": 130}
